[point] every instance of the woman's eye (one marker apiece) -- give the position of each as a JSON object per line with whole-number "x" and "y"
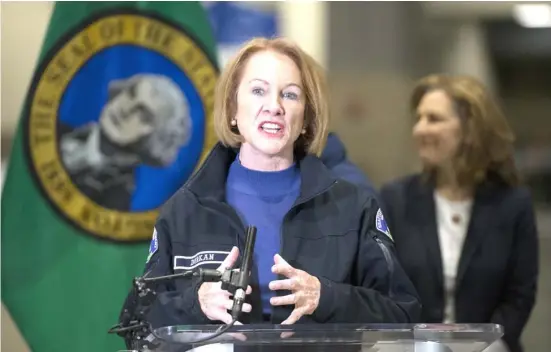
{"x": 290, "y": 95}
{"x": 258, "y": 91}
{"x": 433, "y": 118}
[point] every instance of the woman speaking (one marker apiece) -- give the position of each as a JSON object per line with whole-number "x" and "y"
{"x": 323, "y": 251}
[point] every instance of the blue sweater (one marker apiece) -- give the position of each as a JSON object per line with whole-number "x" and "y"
{"x": 262, "y": 199}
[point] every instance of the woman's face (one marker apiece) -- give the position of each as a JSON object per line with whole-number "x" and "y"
{"x": 438, "y": 129}
{"x": 270, "y": 105}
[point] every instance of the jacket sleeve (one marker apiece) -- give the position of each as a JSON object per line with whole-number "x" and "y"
{"x": 519, "y": 293}
{"x": 382, "y": 292}
{"x": 176, "y": 301}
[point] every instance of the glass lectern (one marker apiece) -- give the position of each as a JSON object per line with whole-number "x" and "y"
{"x": 340, "y": 337}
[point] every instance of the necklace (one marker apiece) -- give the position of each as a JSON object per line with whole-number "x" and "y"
{"x": 456, "y": 218}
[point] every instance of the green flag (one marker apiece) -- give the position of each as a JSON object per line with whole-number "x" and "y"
{"x": 117, "y": 117}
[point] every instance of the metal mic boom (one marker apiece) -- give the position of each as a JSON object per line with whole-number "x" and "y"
{"x": 244, "y": 272}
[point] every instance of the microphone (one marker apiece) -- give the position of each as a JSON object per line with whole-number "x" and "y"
{"x": 243, "y": 276}
{"x": 134, "y": 326}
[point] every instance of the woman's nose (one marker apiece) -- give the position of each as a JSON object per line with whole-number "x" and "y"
{"x": 273, "y": 105}
{"x": 419, "y": 128}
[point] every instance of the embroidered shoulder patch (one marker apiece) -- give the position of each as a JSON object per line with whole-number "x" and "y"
{"x": 154, "y": 246}
{"x": 381, "y": 225}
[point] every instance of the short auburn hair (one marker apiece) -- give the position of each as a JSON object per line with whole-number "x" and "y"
{"x": 316, "y": 112}
{"x": 486, "y": 148}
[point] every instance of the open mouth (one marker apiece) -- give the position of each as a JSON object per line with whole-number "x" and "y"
{"x": 272, "y": 128}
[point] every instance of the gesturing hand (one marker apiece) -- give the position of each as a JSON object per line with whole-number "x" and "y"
{"x": 214, "y": 301}
{"x": 305, "y": 290}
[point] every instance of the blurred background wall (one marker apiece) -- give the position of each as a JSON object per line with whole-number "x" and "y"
{"x": 374, "y": 52}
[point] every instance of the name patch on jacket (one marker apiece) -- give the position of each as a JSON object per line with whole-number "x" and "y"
{"x": 198, "y": 259}
{"x": 381, "y": 225}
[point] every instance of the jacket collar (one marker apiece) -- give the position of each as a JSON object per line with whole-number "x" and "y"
{"x": 210, "y": 179}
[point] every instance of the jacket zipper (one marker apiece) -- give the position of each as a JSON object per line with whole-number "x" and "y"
{"x": 389, "y": 262}
{"x": 236, "y": 223}
{"x": 281, "y": 237}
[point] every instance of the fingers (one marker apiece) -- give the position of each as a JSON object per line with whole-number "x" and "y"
{"x": 287, "y": 284}
{"x": 286, "y": 335}
{"x": 227, "y": 294}
{"x": 283, "y": 300}
{"x": 279, "y": 259}
{"x": 246, "y": 308}
{"x": 296, "y": 314}
{"x": 225, "y": 318}
{"x": 237, "y": 335}
{"x": 230, "y": 259}
{"x": 248, "y": 292}
{"x": 282, "y": 267}
{"x": 228, "y": 305}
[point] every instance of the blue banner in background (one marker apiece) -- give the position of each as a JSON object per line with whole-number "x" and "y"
{"x": 236, "y": 22}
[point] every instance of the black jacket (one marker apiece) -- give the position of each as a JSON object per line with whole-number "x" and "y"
{"x": 330, "y": 233}
{"x": 498, "y": 267}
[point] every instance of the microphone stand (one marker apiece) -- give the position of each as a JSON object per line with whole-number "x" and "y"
{"x": 135, "y": 329}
